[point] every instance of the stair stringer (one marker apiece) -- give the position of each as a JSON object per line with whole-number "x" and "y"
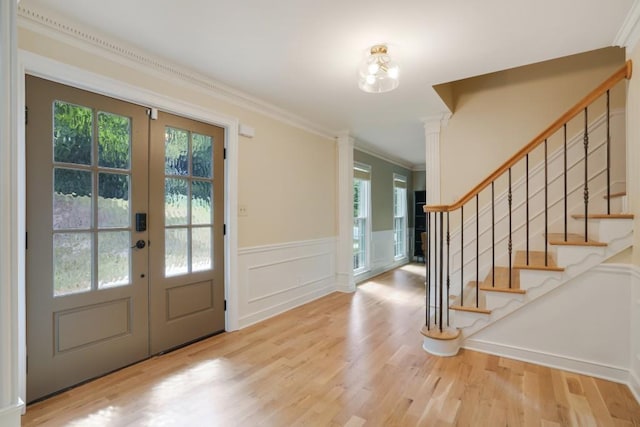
{"x": 539, "y": 283}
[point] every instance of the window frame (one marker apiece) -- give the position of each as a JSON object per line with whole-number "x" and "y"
{"x": 397, "y": 178}
{"x": 364, "y": 169}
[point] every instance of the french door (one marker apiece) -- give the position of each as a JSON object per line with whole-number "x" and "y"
{"x": 124, "y": 244}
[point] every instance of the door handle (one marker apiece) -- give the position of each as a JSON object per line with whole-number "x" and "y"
{"x": 140, "y": 244}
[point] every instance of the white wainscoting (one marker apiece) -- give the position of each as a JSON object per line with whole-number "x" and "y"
{"x": 634, "y": 371}
{"x": 585, "y": 326}
{"x": 276, "y": 278}
{"x": 382, "y": 258}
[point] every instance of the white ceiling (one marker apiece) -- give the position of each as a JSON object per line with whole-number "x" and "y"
{"x": 302, "y": 55}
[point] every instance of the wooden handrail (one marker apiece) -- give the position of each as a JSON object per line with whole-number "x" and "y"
{"x": 623, "y": 73}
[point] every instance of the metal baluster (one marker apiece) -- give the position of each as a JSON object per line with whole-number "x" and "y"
{"x": 586, "y": 175}
{"x": 448, "y": 262}
{"x": 493, "y": 236}
{"x": 435, "y": 269}
{"x": 441, "y": 267}
{"x": 608, "y": 155}
{"x": 462, "y": 255}
{"x": 510, "y": 245}
{"x": 477, "y": 251}
{"x": 527, "y": 205}
{"x": 565, "y": 182}
{"x": 427, "y": 247}
{"x": 546, "y": 209}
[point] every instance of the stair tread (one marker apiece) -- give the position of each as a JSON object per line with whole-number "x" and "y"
{"x": 501, "y": 279}
{"x": 536, "y": 261}
{"x": 502, "y": 289}
{"x": 615, "y": 195}
{"x": 604, "y": 216}
{"x": 572, "y": 240}
{"x": 470, "y": 309}
{"x": 445, "y": 335}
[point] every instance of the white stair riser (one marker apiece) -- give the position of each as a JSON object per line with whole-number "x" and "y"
{"x": 497, "y": 300}
{"x": 530, "y": 279}
{"x": 607, "y": 230}
{"x": 570, "y": 255}
{"x": 465, "y": 319}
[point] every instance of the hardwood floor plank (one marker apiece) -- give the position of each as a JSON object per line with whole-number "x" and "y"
{"x": 343, "y": 360}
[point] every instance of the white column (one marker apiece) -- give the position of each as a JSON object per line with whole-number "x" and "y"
{"x": 344, "y": 264}
{"x": 432, "y": 127}
{"x": 10, "y": 403}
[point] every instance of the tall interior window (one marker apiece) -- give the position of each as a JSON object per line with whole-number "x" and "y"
{"x": 399, "y": 216}
{"x": 361, "y": 216}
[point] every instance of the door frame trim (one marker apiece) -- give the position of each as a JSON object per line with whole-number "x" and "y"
{"x": 47, "y": 68}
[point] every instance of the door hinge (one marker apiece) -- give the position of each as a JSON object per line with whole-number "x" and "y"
{"x": 26, "y": 240}
{"x": 224, "y": 229}
{"x": 224, "y": 154}
{"x": 26, "y": 115}
{"x": 225, "y": 305}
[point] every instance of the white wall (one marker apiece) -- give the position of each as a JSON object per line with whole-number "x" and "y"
{"x": 382, "y": 258}
{"x": 634, "y": 380}
{"x": 583, "y": 326}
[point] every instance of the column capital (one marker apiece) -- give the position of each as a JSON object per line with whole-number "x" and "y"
{"x": 344, "y": 138}
{"x": 435, "y": 122}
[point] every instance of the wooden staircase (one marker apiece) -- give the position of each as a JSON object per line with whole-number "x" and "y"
{"x": 499, "y": 297}
{"x": 518, "y": 272}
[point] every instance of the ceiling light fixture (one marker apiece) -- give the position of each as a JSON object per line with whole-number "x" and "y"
{"x": 377, "y": 72}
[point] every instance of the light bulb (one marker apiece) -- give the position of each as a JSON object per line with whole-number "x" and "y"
{"x": 373, "y": 68}
{"x": 371, "y": 79}
{"x": 393, "y": 72}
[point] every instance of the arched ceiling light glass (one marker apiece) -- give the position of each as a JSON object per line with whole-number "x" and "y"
{"x": 377, "y": 72}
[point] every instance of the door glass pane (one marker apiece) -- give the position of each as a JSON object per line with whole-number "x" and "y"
{"x": 72, "y": 133}
{"x": 114, "y": 251}
{"x": 176, "y": 149}
{"x": 201, "y": 212}
{"x": 113, "y": 200}
{"x": 201, "y": 249}
{"x": 71, "y": 199}
{"x": 176, "y": 201}
{"x": 176, "y": 251}
{"x": 71, "y": 263}
{"x": 202, "y": 156}
{"x": 114, "y": 140}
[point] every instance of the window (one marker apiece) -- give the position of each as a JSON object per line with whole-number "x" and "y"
{"x": 399, "y": 216}
{"x": 361, "y": 215}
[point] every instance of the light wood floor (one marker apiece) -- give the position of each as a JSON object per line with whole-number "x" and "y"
{"x": 346, "y": 359}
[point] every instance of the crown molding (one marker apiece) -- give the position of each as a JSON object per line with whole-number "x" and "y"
{"x": 629, "y": 33}
{"x": 117, "y": 51}
{"x": 368, "y": 149}
{"x": 434, "y": 123}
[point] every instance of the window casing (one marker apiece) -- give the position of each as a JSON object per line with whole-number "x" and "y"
{"x": 361, "y": 217}
{"x": 399, "y": 216}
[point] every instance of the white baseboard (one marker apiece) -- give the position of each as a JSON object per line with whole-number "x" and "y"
{"x": 258, "y": 316}
{"x": 634, "y": 385}
{"x": 585, "y": 367}
{"x": 10, "y": 415}
{"x": 362, "y": 277}
{"x": 345, "y": 283}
